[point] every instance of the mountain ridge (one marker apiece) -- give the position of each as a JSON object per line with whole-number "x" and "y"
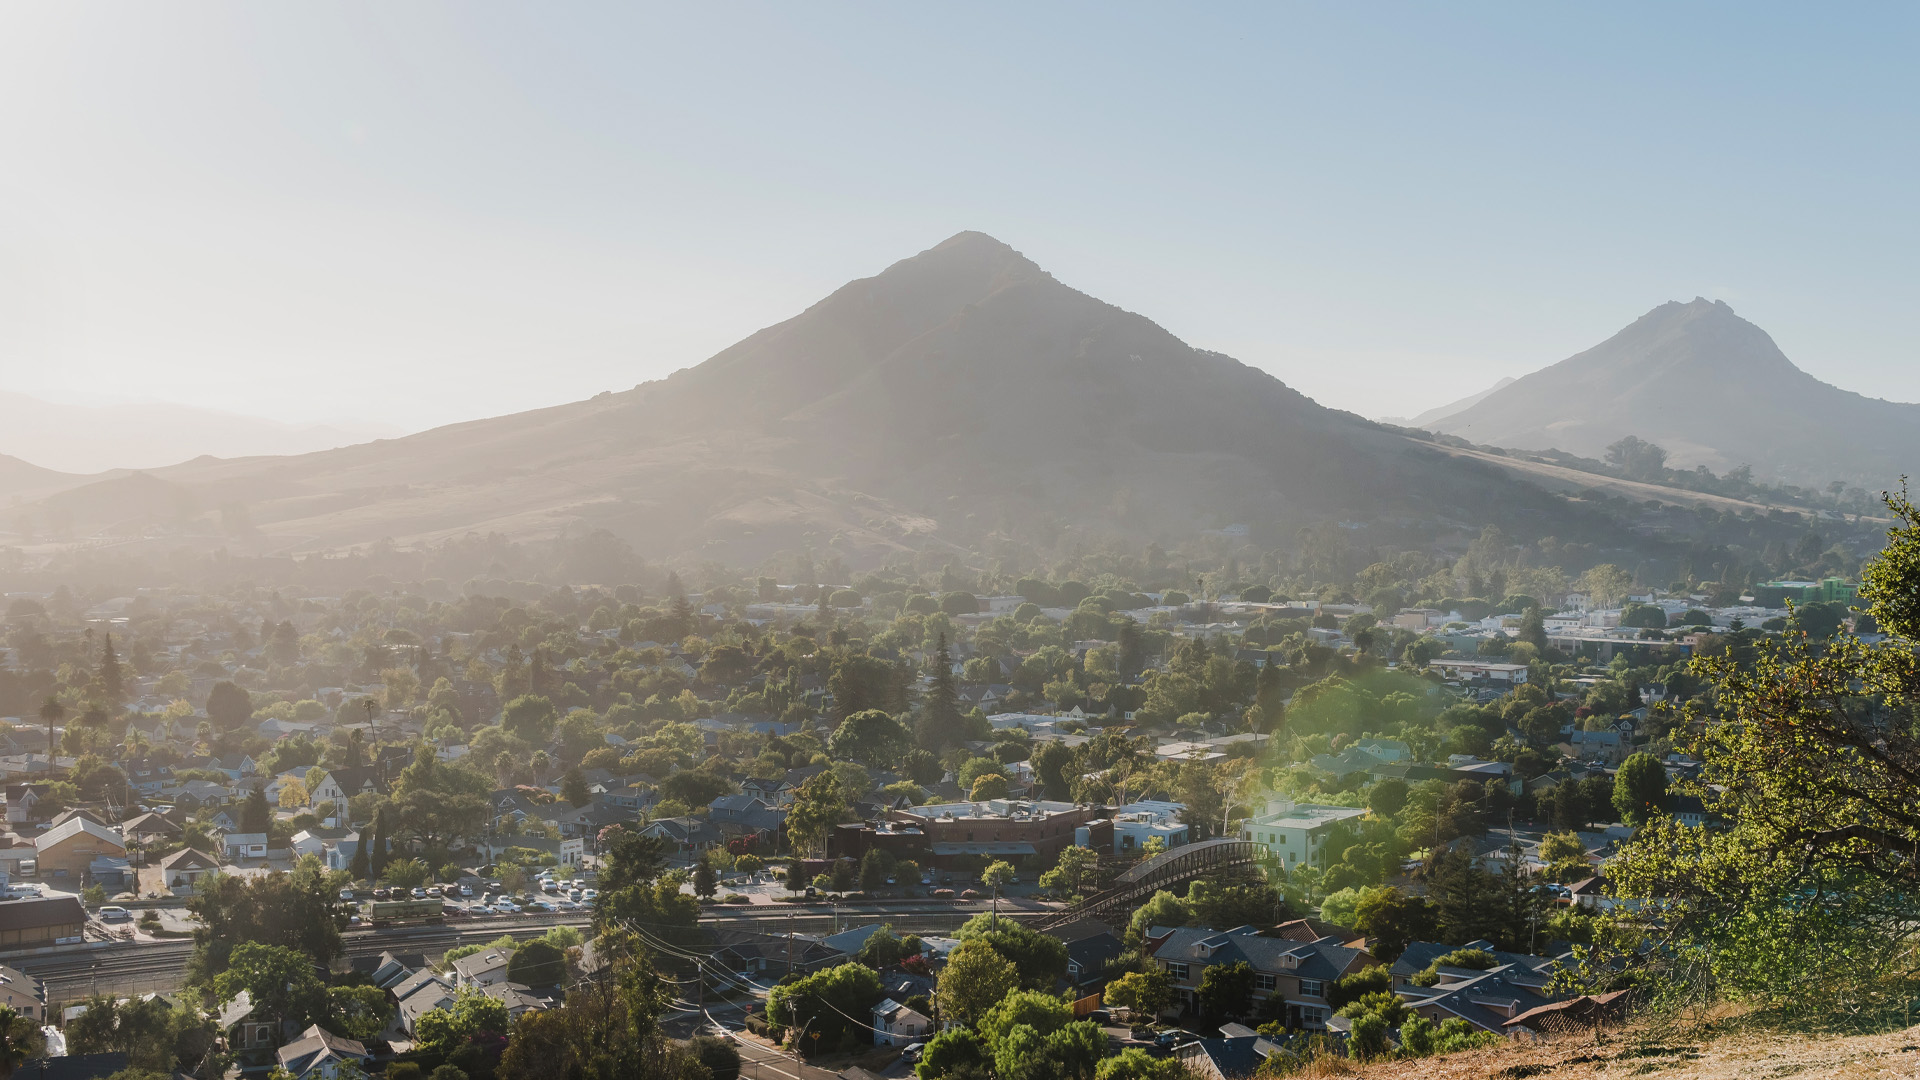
{"x": 1712, "y": 388}
{"x": 962, "y": 397}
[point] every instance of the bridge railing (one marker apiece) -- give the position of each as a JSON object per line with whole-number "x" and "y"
{"x": 1169, "y": 867}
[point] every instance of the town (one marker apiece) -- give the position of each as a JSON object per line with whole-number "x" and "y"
{"x": 926, "y": 819}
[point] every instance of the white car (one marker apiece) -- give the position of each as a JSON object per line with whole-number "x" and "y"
{"x": 113, "y": 913}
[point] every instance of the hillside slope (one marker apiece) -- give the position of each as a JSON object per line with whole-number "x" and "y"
{"x": 961, "y": 397}
{"x": 1733, "y": 1055}
{"x": 1710, "y": 387}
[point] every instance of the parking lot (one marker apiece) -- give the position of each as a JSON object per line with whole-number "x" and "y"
{"x": 474, "y": 899}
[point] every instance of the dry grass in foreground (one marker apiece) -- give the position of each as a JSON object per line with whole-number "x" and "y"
{"x": 1727, "y": 1055}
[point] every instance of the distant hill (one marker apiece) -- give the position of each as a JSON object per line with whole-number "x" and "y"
{"x": 1710, "y": 387}
{"x": 96, "y": 438}
{"x": 962, "y": 398}
{"x": 1448, "y": 409}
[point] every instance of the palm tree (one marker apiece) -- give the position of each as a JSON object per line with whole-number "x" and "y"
{"x": 20, "y": 1041}
{"x": 52, "y": 712}
{"x": 997, "y": 873}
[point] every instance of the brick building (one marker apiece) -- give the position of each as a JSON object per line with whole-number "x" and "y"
{"x": 1011, "y": 829}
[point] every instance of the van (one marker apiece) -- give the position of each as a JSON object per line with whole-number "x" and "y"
{"x": 113, "y": 913}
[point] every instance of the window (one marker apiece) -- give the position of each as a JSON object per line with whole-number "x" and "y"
{"x": 1311, "y": 988}
{"x": 1178, "y": 971}
{"x": 1263, "y": 981}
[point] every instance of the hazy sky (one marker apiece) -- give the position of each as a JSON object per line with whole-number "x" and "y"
{"x": 416, "y": 213}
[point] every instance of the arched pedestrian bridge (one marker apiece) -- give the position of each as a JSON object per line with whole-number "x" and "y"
{"x": 1170, "y": 867}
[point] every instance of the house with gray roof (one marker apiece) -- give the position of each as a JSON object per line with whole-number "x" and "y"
{"x": 1290, "y": 978}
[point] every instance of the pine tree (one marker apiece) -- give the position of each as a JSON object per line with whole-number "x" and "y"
{"x": 255, "y": 816}
{"x": 111, "y": 680}
{"x": 362, "y": 867}
{"x": 1533, "y": 629}
{"x": 377, "y": 860}
{"x": 939, "y": 724}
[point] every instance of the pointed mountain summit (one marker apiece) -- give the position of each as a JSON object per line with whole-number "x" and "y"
{"x": 960, "y": 398}
{"x": 1710, "y": 387}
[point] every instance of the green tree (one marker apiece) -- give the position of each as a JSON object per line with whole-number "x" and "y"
{"x": 939, "y": 725}
{"x": 1041, "y": 959}
{"x": 975, "y": 979}
{"x": 1394, "y": 919}
{"x": 869, "y": 736}
{"x": 1387, "y": 797}
{"x": 996, "y": 876}
{"x": 441, "y": 1032}
{"x": 956, "y": 1052}
{"x": 1134, "y": 1063}
{"x": 296, "y": 910}
{"x": 537, "y": 963}
{"x": 1076, "y": 871}
{"x": 529, "y": 717}
{"x": 1146, "y": 993}
{"x": 358, "y": 1012}
{"x": 705, "y": 882}
{"x": 988, "y": 786}
{"x": 280, "y": 981}
{"x": 1640, "y": 789}
{"x": 817, "y": 807}
{"x": 573, "y": 787}
{"x": 228, "y": 706}
{"x": 827, "y": 1003}
{"x": 1226, "y": 990}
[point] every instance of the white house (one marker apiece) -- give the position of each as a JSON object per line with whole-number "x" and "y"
{"x": 1138, "y": 822}
{"x": 482, "y": 969}
{"x": 1293, "y": 832}
{"x": 896, "y": 1025}
{"x": 318, "y": 1054}
{"x": 248, "y": 845}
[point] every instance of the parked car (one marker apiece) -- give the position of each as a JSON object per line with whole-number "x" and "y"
{"x": 913, "y": 1052}
{"x": 1168, "y": 1040}
{"x": 346, "y": 894}
{"x": 466, "y": 890}
{"x": 113, "y": 913}
{"x": 419, "y": 893}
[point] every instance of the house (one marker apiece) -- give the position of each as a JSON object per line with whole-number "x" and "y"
{"x": 1148, "y": 819}
{"x": 1419, "y": 955}
{"x": 1290, "y": 978}
{"x": 318, "y": 1055}
{"x": 1487, "y": 1000}
{"x": 335, "y": 847}
{"x": 26, "y": 924}
{"x": 337, "y": 786}
{"x": 237, "y": 765}
{"x": 239, "y": 845}
{"x": 745, "y": 813}
{"x": 1090, "y": 944}
{"x": 1602, "y": 746}
{"x": 21, "y": 799}
{"x": 72, "y": 812}
{"x": 517, "y": 997}
{"x": 1294, "y": 832}
{"x": 896, "y": 1025}
{"x": 482, "y": 969}
{"x": 1230, "y": 1058}
{"x": 23, "y": 994}
{"x": 1581, "y": 1014}
{"x": 244, "y": 1030}
{"x": 150, "y": 829}
{"x": 183, "y": 869}
{"x": 687, "y": 835}
{"x": 418, "y": 993}
{"x": 68, "y": 850}
{"x": 1481, "y": 671}
{"x": 764, "y": 958}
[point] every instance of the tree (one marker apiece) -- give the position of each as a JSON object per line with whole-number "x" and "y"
{"x": 1146, "y": 993}
{"x": 1638, "y": 458}
{"x": 280, "y": 982}
{"x": 1606, "y": 584}
{"x": 939, "y": 726}
{"x": 407, "y": 873}
{"x": 1036, "y": 1009}
{"x": 817, "y": 807}
{"x": 441, "y": 1032}
{"x": 1074, "y": 872}
{"x": 537, "y": 963}
{"x": 1134, "y": 1063}
{"x": 228, "y": 706}
{"x": 1040, "y": 959}
{"x": 112, "y": 682}
{"x": 720, "y": 1056}
{"x": 1387, "y": 797}
{"x": 51, "y": 713}
{"x": 1226, "y": 990}
{"x": 705, "y": 882}
{"x": 529, "y": 717}
{"x": 1640, "y": 789}
{"x": 827, "y": 1004}
{"x": 295, "y": 910}
{"x": 358, "y": 1012}
{"x": 869, "y": 736}
{"x": 1050, "y": 761}
{"x": 255, "y": 814}
{"x": 573, "y": 787}
{"x": 1393, "y": 919}
{"x": 875, "y": 865}
{"x": 997, "y": 874}
{"x": 956, "y": 1052}
{"x": 988, "y": 786}
{"x": 975, "y": 979}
